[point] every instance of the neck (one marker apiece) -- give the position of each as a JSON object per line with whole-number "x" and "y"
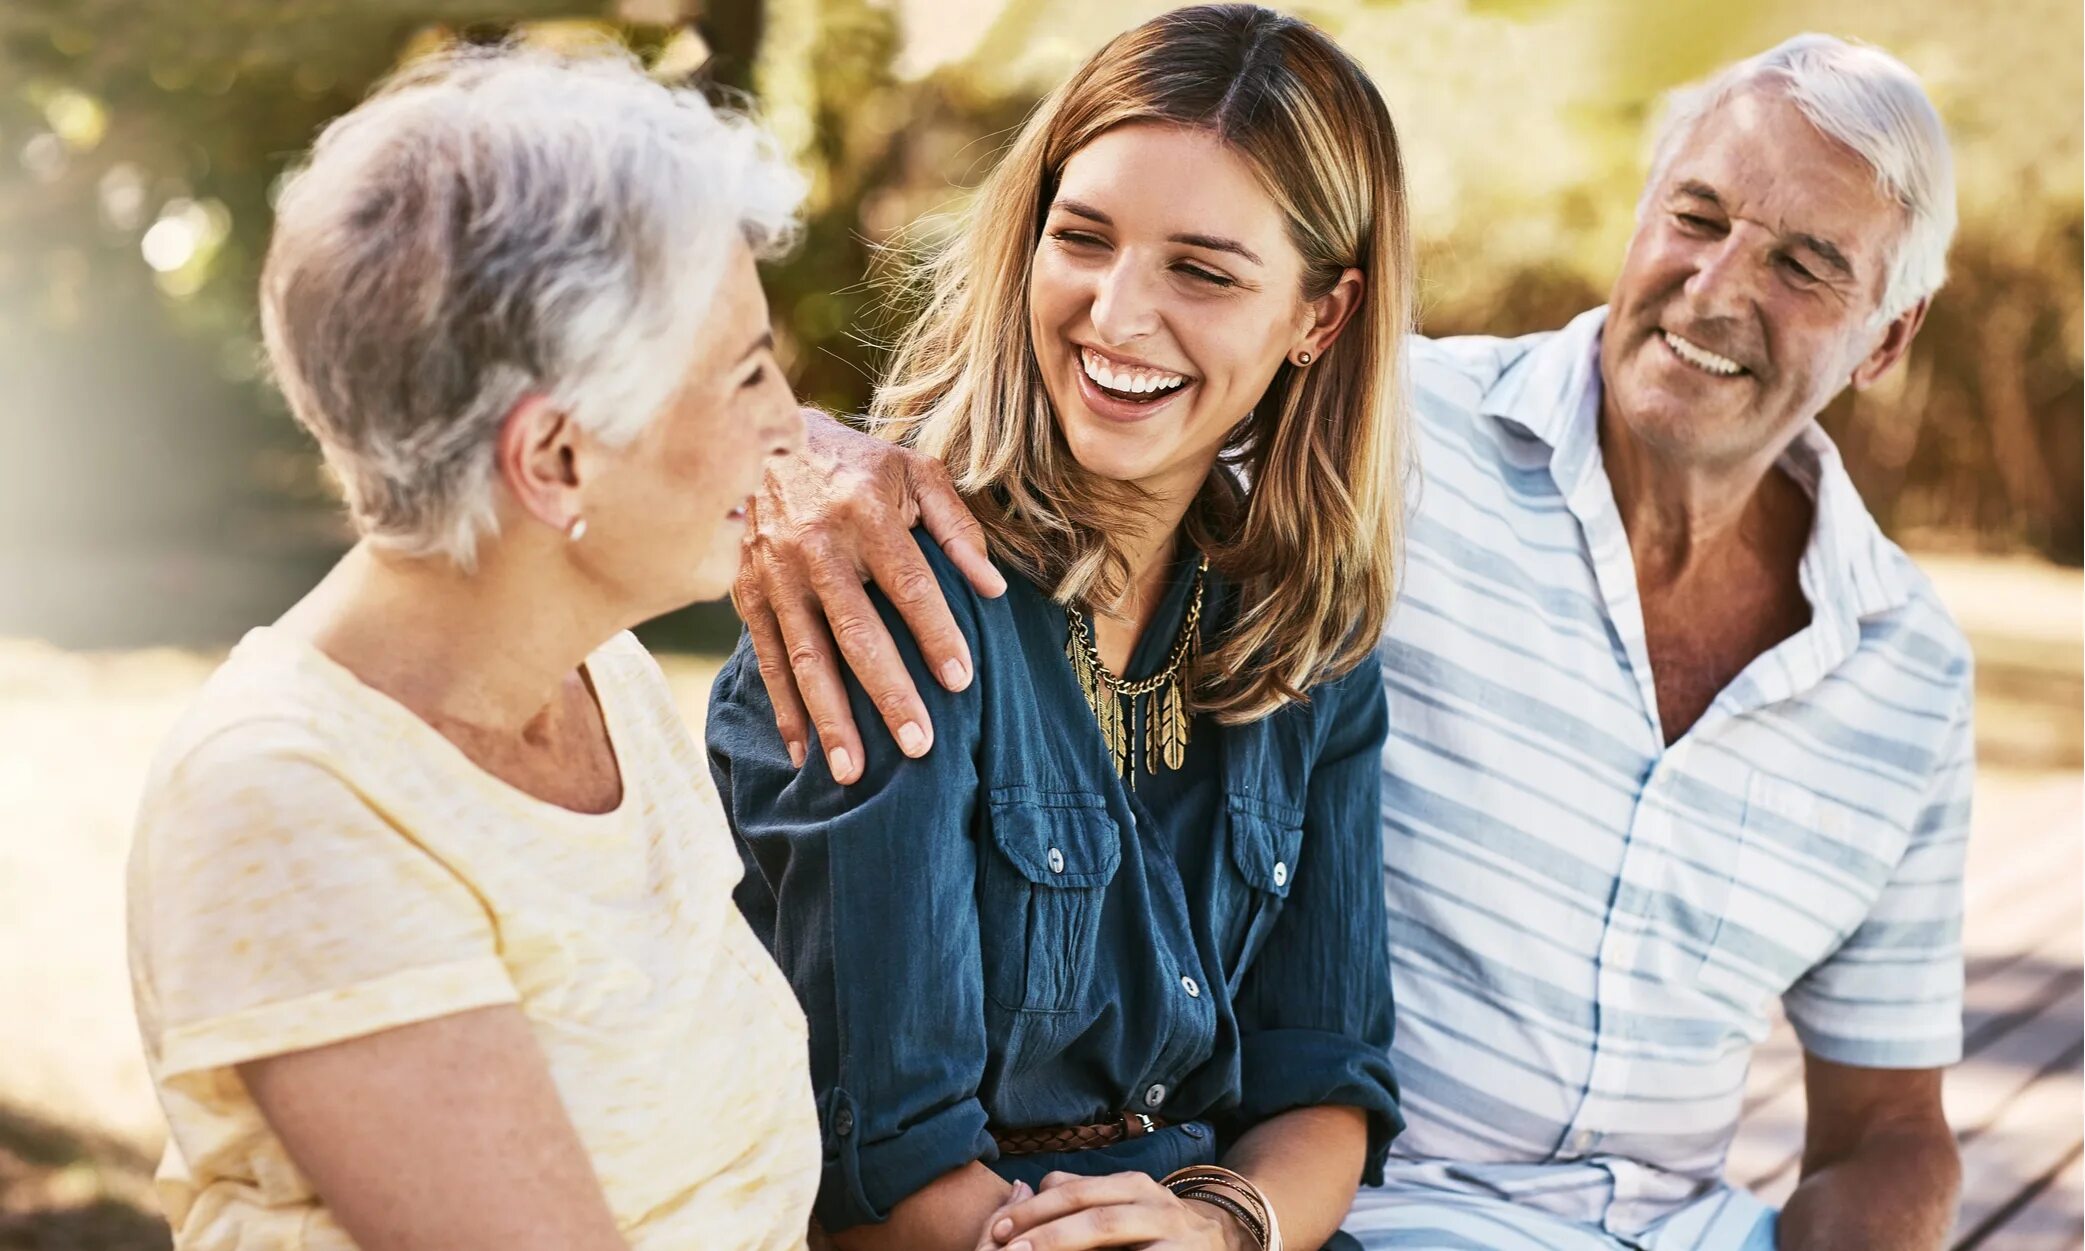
{"x": 1683, "y": 518}
{"x": 1148, "y": 546}
{"x": 490, "y": 649}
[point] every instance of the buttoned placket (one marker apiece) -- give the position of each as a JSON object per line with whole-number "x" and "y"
{"x": 1581, "y": 477}
{"x": 1190, "y": 1032}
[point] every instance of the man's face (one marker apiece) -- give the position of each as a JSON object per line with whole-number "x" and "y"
{"x": 1749, "y": 294}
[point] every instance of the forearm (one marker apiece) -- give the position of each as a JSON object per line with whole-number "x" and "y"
{"x": 948, "y": 1215}
{"x": 1895, "y": 1192}
{"x": 1308, "y": 1163}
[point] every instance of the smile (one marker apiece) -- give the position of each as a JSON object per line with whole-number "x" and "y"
{"x": 1132, "y": 384}
{"x": 1700, "y": 357}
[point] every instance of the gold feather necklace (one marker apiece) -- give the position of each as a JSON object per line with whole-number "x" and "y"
{"x": 1114, "y": 702}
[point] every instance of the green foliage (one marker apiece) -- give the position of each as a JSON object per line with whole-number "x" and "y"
{"x": 136, "y": 419}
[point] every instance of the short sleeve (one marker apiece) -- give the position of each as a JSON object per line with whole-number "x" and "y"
{"x": 275, "y": 909}
{"x": 1891, "y": 996}
{"x": 1315, "y": 1011}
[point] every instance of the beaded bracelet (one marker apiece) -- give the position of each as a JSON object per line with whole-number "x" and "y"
{"x": 1233, "y": 1193}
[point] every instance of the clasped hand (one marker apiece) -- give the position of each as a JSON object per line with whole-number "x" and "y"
{"x": 1117, "y": 1210}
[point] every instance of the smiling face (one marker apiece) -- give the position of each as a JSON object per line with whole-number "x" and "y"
{"x": 666, "y": 511}
{"x": 1165, "y": 293}
{"x": 1749, "y": 295}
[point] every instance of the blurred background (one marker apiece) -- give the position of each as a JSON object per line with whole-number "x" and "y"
{"x": 156, "y": 500}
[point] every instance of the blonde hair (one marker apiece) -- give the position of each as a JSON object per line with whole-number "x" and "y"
{"x": 1311, "y": 546}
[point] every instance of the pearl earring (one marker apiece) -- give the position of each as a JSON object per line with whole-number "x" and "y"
{"x": 1303, "y": 358}
{"x": 577, "y": 530}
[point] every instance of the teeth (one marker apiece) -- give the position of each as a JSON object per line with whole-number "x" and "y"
{"x": 1700, "y": 357}
{"x": 1130, "y": 381}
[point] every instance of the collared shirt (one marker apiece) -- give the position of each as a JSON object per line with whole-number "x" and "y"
{"x": 1588, "y": 927}
{"x": 1004, "y": 935}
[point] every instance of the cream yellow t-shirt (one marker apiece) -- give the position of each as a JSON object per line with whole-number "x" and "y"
{"x": 314, "y": 863}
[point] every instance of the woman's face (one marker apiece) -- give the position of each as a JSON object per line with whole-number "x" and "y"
{"x": 1164, "y": 295}
{"x": 665, "y": 512}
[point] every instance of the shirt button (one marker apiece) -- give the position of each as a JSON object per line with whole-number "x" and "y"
{"x": 843, "y": 1122}
{"x": 1281, "y": 873}
{"x": 1582, "y": 1142}
{"x": 1193, "y": 991}
{"x": 1193, "y": 1129}
{"x": 1056, "y": 861}
{"x": 1156, "y": 1095}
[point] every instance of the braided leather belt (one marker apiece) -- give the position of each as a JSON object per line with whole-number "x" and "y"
{"x": 1076, "y": 1137}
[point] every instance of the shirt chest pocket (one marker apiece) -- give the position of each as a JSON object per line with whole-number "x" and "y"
{"x": 1265, "y": 842}
{"x": 1806, "y": 872}
{"x": 1046, "y": 867}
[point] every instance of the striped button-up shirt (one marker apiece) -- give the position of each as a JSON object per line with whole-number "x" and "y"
{"x": 1588, "y": 927}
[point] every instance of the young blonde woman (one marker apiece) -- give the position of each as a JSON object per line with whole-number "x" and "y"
{"x": 432, "y": 934}
{"x": 1105, "y": 968}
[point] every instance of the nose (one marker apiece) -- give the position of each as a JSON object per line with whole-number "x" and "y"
{"x": 1123, "y": 310}
{"x": 783, "y": 431}
{"x": 1725, "y": 271}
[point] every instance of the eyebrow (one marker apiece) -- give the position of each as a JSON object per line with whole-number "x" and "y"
{"x": 1825, "y": 249}
{"x": 765, "y": 343}
{"x": 1214, "y": 243}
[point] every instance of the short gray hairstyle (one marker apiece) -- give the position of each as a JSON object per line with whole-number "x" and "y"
{"x": 1868, "y": 100}
{"x": 495, "y": 223}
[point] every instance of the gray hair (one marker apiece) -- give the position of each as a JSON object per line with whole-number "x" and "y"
{"x": 495, "y": 223}
{"x": 1868, "y": 100}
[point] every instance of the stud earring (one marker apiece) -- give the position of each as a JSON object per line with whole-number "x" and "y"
{"x": 1303, "y": 358}
{"x": 577, "y": 530}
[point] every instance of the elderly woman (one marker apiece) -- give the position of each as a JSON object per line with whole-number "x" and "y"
{"x": 432, "y": 933}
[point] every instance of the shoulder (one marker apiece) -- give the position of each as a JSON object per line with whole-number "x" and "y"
{"x": 269, "y": 713}
{"x": 1920, "y": 627}
{"x": 1453, "y": 374}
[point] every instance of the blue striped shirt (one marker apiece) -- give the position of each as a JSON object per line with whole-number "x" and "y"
{"x": 1587, "y": 927}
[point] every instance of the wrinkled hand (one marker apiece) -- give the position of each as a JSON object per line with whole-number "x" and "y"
{"x": 1072, "y": 1213}
{"x": 823, "y": 521}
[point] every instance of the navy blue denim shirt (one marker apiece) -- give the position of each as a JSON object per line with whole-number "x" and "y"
{"x": 1004, "y": 933}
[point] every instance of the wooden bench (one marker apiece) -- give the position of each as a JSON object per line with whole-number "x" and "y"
{"x": 2016, "y": 1101}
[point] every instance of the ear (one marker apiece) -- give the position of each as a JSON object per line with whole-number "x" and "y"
{"x": 1896, "y": 340}
{"x": 538, "y": 459}
{"x": 1330, "y": 313}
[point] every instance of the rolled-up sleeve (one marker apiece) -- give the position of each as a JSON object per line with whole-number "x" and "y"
{"x": 1891, "y": 996}
{"x": 866, "y": 896}
{"x": 1314, "y": 1010}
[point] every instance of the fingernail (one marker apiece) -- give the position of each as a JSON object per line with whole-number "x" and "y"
{"x": 912, "y": 738}
{"x": 955, "y": 675}
{"x": 840, "y": 762}
{"x": 796, "y": 753}
{"x": 1022, "y": 1190}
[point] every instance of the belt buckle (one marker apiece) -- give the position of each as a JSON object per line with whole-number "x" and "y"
{"x": 1136, "y": 1125}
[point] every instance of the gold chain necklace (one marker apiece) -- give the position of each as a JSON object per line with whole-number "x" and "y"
{"x": 1114, "y": 701}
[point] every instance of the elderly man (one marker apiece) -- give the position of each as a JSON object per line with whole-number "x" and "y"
{"x": 1675, "y": 730}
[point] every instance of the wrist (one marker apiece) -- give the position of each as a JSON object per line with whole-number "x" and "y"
{"x": 1233, "y": 1231}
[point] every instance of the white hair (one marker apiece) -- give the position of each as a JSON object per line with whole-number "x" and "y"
{"x": 495, "y": 223}
{"x": 1869, "y": 101}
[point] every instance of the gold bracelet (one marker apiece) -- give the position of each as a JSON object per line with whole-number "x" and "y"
{"x": 1215, "y": 1181}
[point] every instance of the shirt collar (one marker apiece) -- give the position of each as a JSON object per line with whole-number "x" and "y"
{"x": 1553, "y": 392}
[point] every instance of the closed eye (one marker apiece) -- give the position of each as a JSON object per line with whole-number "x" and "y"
{"x": 754, "y": 379}
{"x": 1696, "y": 223}
{"x": 1797, "y": 270}
{"x": 1214, "y": 279}
{"x": 1078, "y": 239}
